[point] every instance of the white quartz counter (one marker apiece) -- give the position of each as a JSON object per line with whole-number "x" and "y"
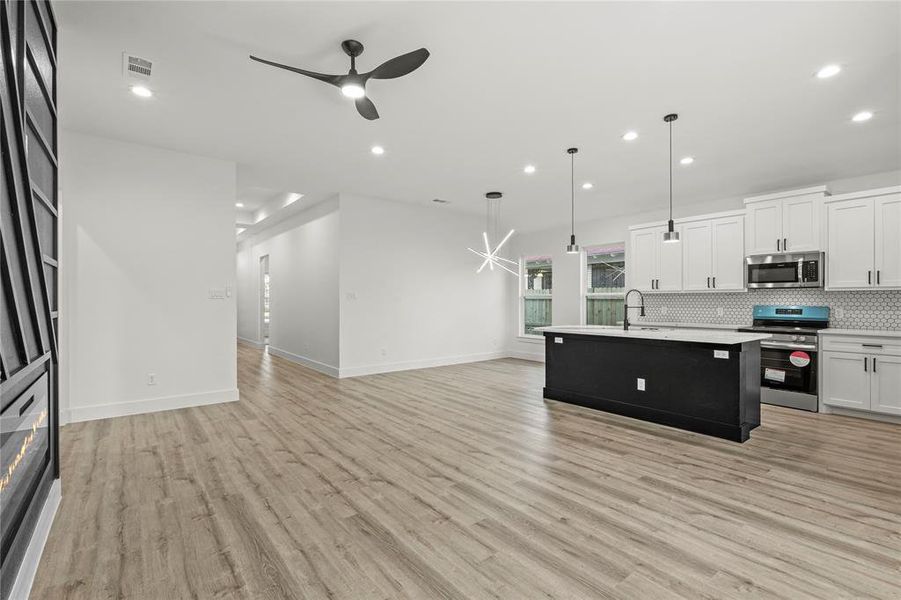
{"x": 681, "y": 325}
{"x": 705, "y": 336}
{"x": 892, "y": 333}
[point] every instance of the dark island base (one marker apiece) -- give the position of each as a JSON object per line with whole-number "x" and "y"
{"x": 735, "y": 433}
{"x": 707, "y": 388}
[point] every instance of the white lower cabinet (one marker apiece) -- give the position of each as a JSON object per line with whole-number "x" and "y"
{"x": 846, "y": 380}
{"x": 885, "y": 396}
{"x": 861, "y": 373}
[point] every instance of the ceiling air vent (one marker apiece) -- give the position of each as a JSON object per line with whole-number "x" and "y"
{"x": 135, "y": 67}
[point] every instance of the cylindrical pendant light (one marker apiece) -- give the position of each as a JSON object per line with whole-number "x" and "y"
{"x": 572, "y": 247}
{"x": 670, "y": 235}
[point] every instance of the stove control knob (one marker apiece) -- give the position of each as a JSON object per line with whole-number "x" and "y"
{"x": 797, "y": 338}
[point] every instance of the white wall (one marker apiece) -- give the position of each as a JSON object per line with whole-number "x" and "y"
{"x": 567, "y": 293}
{"x": 303, "y": 270}
{"x": 146, "y": 233}
{"x": 410, "y": 296}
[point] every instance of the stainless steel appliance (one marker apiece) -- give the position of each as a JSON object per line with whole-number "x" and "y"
{"x": 789, "y": 360}
{"x": 785, "y": 270}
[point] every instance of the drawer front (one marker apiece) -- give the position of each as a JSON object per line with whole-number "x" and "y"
{"x": 863, "y": 345}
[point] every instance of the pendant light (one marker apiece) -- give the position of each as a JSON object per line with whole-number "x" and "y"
{"x": 491, "y": 258}
{"x": 670, "y": 236}
{"x": 572, "y": 247}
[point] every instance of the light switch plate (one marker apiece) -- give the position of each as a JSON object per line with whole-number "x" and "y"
{"x": 721, "y": 354}
{"x": 641, "y": 384}
{"x": 558, "y": 340}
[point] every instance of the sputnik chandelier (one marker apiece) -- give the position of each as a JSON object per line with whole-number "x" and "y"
{"x": 492, "y": 223}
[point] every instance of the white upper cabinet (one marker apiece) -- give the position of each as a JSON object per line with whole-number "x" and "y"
{"x": 697, "y": 256}
{"x": 653, "y": 265}
{"x": 728, "y": 253}
{"x": 642, "y": 262}
{"x": 887, "y": 238}
{"x": 863, "y": 240}
{"x": 784, "y": 222}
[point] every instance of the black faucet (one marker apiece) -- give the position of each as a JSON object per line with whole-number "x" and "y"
{"x": 626, "y": 308}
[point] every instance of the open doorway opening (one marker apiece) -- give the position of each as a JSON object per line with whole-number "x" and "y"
{"x": 265, "y": 313}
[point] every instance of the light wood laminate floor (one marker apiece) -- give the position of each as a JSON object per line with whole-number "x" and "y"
{"x": 462, "y": 482}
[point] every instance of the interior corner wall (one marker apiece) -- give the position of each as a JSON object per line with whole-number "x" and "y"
{"x": 147, "y": 233}
{"x": 409, "y": 293}
{"x": 303, "y": 268}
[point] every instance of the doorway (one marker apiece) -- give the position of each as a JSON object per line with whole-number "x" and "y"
{"x": 265, "y": 304}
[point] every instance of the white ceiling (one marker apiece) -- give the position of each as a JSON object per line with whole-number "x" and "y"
{"x": 508, "y": 83}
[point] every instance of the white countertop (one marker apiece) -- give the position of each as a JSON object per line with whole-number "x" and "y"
{"x": 705, "y": 336}
{"x": 680, "y": 325}
{"x": 893, "y": 333}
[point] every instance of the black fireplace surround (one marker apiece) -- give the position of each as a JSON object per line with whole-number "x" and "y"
{"x": 29, "y": 260}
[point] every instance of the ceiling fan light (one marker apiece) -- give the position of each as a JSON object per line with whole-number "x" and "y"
{"x": 353, "y": 90}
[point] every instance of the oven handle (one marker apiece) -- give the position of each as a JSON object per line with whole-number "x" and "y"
{"x": 788, "y": 345}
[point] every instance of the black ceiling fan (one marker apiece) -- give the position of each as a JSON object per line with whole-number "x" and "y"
{"x": 353, "y": 85}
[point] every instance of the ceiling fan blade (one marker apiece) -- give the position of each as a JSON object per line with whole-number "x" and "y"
{"x": 400, "y": 65}
{"x": 332, "y": 79}
{"x": 366, "y": 108}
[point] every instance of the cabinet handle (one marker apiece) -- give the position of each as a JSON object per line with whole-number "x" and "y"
{"x": 657, "y": 283}
{"x": 865, "y": 359}
{"x": 777, "y": 245}
{"x": 785, "y": 244}
{"x": 877, "y": 276}
{"x": 869, "y": 277}
{"x": 714, "y": 283}
{"x": 874, "y": 364}
{"x": 708, "y": 283}
{"x": 872, "y": 345}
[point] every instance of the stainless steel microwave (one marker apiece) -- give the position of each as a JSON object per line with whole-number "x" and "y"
{"x": 795, "y": 270}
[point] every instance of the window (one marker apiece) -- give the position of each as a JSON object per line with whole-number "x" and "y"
{"x": 605, "y": 277}
{"x": 536, "y": 284}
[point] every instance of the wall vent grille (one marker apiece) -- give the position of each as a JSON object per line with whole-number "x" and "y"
{"x": 136, "y": 67}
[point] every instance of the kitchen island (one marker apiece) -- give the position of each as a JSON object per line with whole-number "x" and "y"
{"x": 699, "y": 380}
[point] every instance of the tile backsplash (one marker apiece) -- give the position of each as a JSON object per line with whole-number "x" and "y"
{"x": 849, "y": 310}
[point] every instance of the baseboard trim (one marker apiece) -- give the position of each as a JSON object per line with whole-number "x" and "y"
{"x": 29, "y": 567}
{"x": 532, "y": 356}
{"x": 859, "y": 414}
{"x": 303, "y": 360}
{"x": 249, "y": 342}
{"x": 427, "y": 363}
{"x": 150, "y": 405}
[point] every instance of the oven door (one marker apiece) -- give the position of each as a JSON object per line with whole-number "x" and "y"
{"x": 788, "y": 367}
{"x": 774, "y": 275}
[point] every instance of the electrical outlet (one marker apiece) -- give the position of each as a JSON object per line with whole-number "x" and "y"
{"x": 720, "y": 311}
{"x": 664, "y": 310}
{"x": 151, "y": 378}
{"x": 641, "y": 384}
{"x": 839, "y": 313}
{"x": 383, "y": 352}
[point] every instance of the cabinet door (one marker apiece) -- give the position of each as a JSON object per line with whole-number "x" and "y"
{"x": 697, "y": 256}
{"x": 886, "y": 394}
{"x": 887, "y": 210}
{"x": 849, "y": 254}
{"x": 764, "y": 227}
{"x": 669, "y": 263}
{"x": 801, "y": 224}
{"x": 642, "y": 260}
{"x": 846, "y": 379}
{"x": 728, "y": 254}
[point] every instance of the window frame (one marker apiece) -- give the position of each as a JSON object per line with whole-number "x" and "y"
{"x": 584, "y": 294}
{"x": 523, "y": 287}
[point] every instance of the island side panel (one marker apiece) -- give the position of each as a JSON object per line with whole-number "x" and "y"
{"x": 686, "y": 386}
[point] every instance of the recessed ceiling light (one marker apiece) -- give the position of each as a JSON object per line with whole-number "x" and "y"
{"x": 529, "y": 169}
{"x": 864, "y": 115}
{"x": 829, "y": 71}
{"x": 630, "y": 135}
{"x": 378, "y": 150}
{"x": 587, "y": 185}
{"x": 142, "y": 91}
{"x": 239, "y": 205}
{"x": 687, "y": 160}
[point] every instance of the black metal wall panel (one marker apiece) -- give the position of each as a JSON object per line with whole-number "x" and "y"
{"x": 29, "y": 248}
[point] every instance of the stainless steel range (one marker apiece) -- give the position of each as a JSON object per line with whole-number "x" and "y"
{"x": 789, "y": 360}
